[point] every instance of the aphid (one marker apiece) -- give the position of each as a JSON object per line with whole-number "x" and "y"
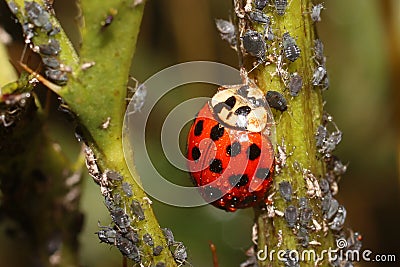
{"x": 13, "y": 7}
{"x": 51, "y": 62}
{"x": 169, "y": 236}
{"x": 138, "y": 97}
{"x": 321, "y": 135}
{"x": 324, "y": 185}
{"x": 38, "y": 15}
{"x": 132, "y": 236}
{"x": 291, "y": 259}
{"x": 334, "y": 164}
{"x": 318, "y": 75}
{"x": 303, "y": 202}
{"x": 109, "y": 202}
{"x": 107, "y": 235}
{"x": 148, "y": 240}
{"x": 227, "y": 31}
{"x": 305, "y": 216}
{"x": 236, "y": 174}
{"x": 54, "y": 31}
{"x": 276, "y": 100}
{"x": 121, "y": 219}
{"x": 52, "y": 48}
{"x": 127, "y": 248}
{"x": 109, "y": 18}
{"x": 111, "y": 176}
{"x": 280, "y": 6}
{"x": 339, "y": 219}
{"x": 157, "y": 250}
{"x": 326, "y": 202}
{"x": 285, "y": 188}
{"x": 260, "y": 4}
{"x": 295, "y": 84}
{"x": 160, "y": 264}
{"x": 259, "y": 17}
{"x": 137, "y": 210}
{"x": 254, "y": 44}
{"x": 329, "y": 144}
{"x": 303, "y": 236}
{"x": 319, "y": 52}
{"x": 291, "y": 215}
{"x": 117, "y": 198}
{"x": 126, "y": 187}
{"x": 333, "y": 208}
{"x": 290, "y": 48}
{"x": 57, "y": 76}
{"x": 316, "y": 12}
{"x": 180, "y": 254}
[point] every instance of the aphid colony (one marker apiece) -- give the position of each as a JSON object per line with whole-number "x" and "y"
{"x": 121, "y": 234}
{"x": 39, "y": 20}
{"x": 266, "y": 45}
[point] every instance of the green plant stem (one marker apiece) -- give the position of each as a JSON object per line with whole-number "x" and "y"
{"x": 96, "y": 95}
{"x": 296, "y": 128}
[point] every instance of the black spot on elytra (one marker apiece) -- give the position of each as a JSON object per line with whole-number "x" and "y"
{"x": 216, "y": 166}
{"x": 238, "y": 180}
{"x": 276, "y": 100}
{"x": 230, "y": 102}
{"x": 253, "y": 152}
{"x": 262, "y": 173}
{"x": 234, "y": 149}
{"x": 243, "y": 110}
{"x": 196, "y": 153}
{"x": 212, "y": 192}
{"x": 198, "y": 129}
{"x": 216, "y": 132}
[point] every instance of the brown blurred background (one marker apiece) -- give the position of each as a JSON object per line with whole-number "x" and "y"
{"x": 362, "y": 44}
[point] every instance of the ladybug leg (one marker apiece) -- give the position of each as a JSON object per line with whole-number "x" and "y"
{"x": 213, "y": 249}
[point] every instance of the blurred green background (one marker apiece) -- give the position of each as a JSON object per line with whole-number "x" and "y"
{"x": 362, "y": 98}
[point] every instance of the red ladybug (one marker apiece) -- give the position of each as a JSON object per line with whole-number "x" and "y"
{"x": 230, "y": 153}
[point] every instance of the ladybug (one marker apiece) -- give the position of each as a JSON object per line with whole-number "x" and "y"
{"x": 230, "y": 153}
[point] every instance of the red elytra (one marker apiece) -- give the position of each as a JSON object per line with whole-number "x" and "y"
{"x": 232, "y": 168}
